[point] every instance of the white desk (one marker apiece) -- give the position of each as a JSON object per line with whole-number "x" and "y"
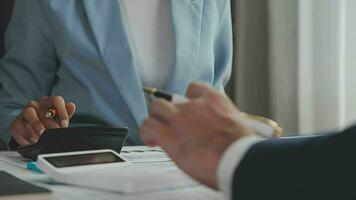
{"x": 72, "y": 192}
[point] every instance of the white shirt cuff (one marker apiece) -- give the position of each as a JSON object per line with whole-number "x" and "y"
{"x": 230, "y": 161}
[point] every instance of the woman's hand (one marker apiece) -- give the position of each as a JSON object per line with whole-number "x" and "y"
{"x": 30, "y": 124}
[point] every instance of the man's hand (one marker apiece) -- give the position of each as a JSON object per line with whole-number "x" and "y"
{"x": 195, "y": 134}
{"x": 31, "y": 123}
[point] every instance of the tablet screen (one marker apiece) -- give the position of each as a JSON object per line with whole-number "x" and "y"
{"x": 83, "y": 159}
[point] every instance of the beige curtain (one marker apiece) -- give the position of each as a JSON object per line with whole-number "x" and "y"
{"x": 294, "y": 62}
{"x": 260, "y": 77}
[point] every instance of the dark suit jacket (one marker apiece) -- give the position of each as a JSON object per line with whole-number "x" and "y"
{"x": 301, "y": 168}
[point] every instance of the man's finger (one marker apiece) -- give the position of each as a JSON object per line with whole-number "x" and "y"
{"x": 163, "y": 110}
{"x": 198, "y": 89}
{"x": 152, "y": 132}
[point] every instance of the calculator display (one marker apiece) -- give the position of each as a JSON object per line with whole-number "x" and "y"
{"x": 83, "y": 159}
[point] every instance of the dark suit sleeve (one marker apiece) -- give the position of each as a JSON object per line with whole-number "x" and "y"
{"x": 301, "y": 168}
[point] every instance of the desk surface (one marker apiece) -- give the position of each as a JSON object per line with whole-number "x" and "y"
{"x": 72, "y": 192}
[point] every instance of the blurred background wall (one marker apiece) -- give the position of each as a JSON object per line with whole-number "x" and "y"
{"x": 262, "y": 30}
{"x": 294, "y": 62}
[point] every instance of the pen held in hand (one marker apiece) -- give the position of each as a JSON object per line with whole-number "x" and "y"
{"x": 174, "y": 98}
{"x": 264, "y": 127}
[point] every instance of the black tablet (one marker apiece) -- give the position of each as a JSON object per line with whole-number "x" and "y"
{"x": 76, "y": 139}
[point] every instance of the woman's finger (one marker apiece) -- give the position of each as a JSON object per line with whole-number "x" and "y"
{"x": 31, "y": 135}
{"x": 30, "y": 117}
{"x": 59, "y": 104}
{"x": 71, "y": 107}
